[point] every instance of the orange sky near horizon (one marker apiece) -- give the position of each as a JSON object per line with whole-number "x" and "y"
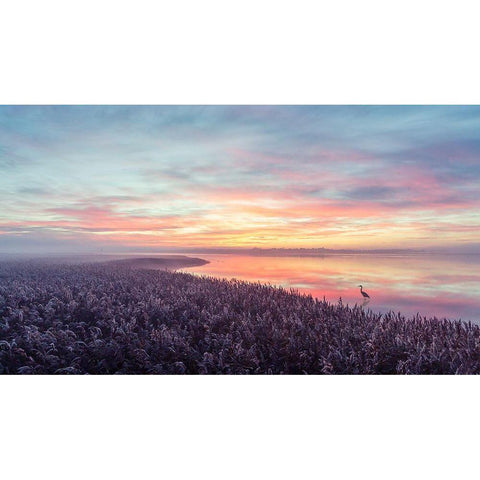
{"x": 90, "y": 178}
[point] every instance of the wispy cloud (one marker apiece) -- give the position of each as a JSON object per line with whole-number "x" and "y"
{"x": 266, "y": 175}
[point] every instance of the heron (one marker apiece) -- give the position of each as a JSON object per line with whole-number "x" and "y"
{"x": 365, "y": 294}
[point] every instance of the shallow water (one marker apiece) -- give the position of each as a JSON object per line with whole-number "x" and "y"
{"x": 432, "y": 285}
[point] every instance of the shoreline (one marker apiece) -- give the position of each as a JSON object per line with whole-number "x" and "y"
{"x": 166, "y": 262}
{"x": 102, "y": 319}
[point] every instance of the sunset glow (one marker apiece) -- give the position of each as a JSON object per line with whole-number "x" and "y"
{"x": 357, "y": 177}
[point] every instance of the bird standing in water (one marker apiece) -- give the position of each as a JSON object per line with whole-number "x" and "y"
{"x": 365, "y": 294}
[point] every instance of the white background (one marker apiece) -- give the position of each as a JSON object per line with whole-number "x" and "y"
{"x": 270, "y": 52}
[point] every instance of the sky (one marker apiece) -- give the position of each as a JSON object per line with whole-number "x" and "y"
{"x": 104, "y": 178}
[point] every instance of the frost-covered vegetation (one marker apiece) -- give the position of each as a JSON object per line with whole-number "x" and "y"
{"x": 110, "y": 318}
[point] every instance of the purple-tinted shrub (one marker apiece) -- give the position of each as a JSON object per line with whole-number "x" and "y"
{"x": 110, "y": 318}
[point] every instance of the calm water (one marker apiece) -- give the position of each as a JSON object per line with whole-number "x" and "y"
{"x": 441, "y": 286}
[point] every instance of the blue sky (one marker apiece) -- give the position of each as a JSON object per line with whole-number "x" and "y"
{"x": 100, "y": 177}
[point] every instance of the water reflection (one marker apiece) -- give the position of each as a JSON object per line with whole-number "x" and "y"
{"x": 441, "y": 286}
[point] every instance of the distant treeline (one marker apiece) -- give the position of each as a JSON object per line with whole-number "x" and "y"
{"x": 299, "y": 252}
{"x": 313, "y": 252}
